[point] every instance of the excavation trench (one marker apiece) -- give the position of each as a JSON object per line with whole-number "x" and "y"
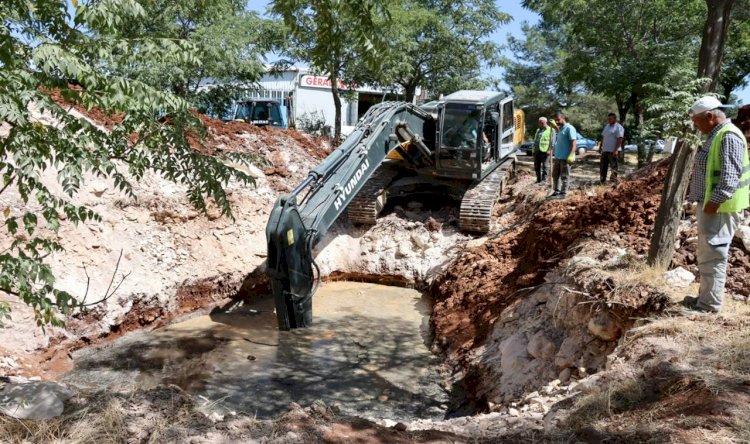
{"x": 368, "y": 354}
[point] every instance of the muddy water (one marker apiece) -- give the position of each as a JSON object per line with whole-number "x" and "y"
{"x": 367, "y": 353}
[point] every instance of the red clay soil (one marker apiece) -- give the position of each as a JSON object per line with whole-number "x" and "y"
{"x": 229, "y": 137}
{"x": 472, "y": 293}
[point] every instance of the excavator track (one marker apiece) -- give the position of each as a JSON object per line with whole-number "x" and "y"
{"x": 478, "y": 201}
{"x": 370, "y": 200}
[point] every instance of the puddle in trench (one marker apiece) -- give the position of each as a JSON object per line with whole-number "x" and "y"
{"x": 367, "y": 352}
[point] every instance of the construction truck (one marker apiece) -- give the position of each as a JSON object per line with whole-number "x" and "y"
{"x": 461, "y": 146}
{"x": 261, "y": 112}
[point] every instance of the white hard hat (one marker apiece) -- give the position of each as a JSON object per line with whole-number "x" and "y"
{"x": 705, "y": 103}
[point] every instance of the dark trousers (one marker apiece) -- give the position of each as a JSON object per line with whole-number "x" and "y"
{"x": 560, "y": 175}
{"x": 608, "y": 161}
{"x": 540, "y": 166}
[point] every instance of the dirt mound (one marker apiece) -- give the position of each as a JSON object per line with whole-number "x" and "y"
{"x": 738, "y": 274}
{"x": 286, "y": 155}
{"x": 472, "y": 293}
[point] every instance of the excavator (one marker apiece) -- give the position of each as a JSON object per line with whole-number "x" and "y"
{"x": 461, "y": 146}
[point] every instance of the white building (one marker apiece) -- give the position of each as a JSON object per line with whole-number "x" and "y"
{"x": 309, "y": 96}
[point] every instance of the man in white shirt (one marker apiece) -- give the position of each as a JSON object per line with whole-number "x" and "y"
{"x": 612, "y": 137}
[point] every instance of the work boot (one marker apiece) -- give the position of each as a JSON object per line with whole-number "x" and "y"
{"x": 690, "y": 302}
{"x": 687, "y": 312}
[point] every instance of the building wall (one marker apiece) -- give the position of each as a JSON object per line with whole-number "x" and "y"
{"x": 309, "y": 99}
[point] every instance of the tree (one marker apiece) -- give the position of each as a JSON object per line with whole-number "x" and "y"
{"x": 227, "y": 40}
{"x": 440, "y": 45}
{"x": 539, "y": 83}
{"x": 736, "y": 67}
{"x": 669, "y": 214}
{"x": 333, "y": 34}
{"x": 41, "y": 51}
{"x": 615, "y": 48}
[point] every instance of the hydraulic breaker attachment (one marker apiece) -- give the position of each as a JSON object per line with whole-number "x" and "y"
{"x": 290, "y": 264}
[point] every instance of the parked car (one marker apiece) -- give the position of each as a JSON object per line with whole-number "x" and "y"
{"x": 632, "y": 147}
{"x": 584, "y": 144}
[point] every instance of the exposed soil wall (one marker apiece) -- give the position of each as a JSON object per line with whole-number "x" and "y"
{"x": 483, "y": 281}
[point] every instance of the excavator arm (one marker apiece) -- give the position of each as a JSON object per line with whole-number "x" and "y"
{"x": 300, "y": 219}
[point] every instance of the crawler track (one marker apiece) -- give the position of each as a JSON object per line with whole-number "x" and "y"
{"x": 477, "y": 203}
{"x": 370, "y": 200}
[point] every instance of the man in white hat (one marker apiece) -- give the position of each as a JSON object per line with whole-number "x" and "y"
{"x": 721, "y": 187}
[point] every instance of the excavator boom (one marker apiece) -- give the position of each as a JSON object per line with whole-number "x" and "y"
{"x": 299, "y": 220}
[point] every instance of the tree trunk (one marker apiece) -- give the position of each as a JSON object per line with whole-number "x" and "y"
{"x": 638, "y": 127}
{"x": 623, "y": 106}
{"x": 410, "y": 90}
{"x": 670, "y": 209}
{"x": 337, "y": 107}
{"x": 715, "y": 30}
{"x": 727, "y": 88}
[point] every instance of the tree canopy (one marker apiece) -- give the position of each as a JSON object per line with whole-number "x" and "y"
{"x": 332, "y": 36}
{"x": 44, "y": 50}
{"x": 440, "y": 45}
{"x": 227, "y": 45}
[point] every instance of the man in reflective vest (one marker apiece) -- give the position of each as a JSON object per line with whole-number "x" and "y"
{"x": 721, "y": 187}
{"x": 544, "y": 139}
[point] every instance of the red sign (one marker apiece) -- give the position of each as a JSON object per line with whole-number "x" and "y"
{"x": 323, "y": 82}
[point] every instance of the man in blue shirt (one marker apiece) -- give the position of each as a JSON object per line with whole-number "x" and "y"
{"x": 565, "y": 152}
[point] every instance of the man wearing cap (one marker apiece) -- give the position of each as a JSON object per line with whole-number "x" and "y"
{"x": 721, "y": 187}
{"x": 544, "y": 139}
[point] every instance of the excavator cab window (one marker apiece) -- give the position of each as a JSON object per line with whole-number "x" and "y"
{"x": 461, "y": 133}
{"x": 261, "y": 112}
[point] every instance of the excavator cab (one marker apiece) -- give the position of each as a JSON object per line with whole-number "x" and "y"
{"x": 471, "y": 134}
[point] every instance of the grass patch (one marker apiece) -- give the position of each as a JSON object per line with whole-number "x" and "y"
{"x": 615, "y": 398}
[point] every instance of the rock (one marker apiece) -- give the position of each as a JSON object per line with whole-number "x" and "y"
{"x": 402, "y": 251}
{"x": 400, "y": 426}
{"x": 566, "y": 356}
{"x": 564, "y": 375}
{"x": 541, "y": 347}
{"x": 743, "y": 234}
{"x": 514, "y": 354}
{"x": 433, "y": 225}
{"x": 604, "y": 327}
{"x": 583, "y": 262}
{"x": 474, "y": 243}
{"x": 33, "y": 400}
{"x": 536, "y": 400}
{"x": 513, "y": 412}
{"x": 679, "y": 277}
{"x": 420, "y": 242}
{"x": 553, "y": 420}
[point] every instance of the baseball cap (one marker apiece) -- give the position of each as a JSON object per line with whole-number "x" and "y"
{"x": 705, "y": 103}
